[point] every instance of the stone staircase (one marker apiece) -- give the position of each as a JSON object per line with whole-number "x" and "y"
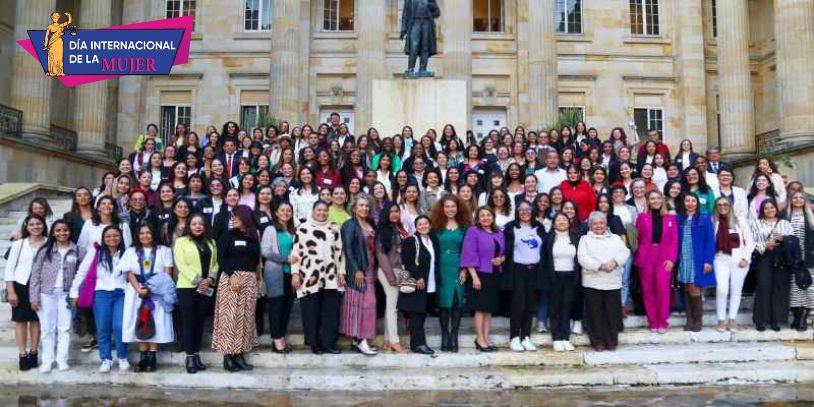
{"x": 9, "y": 219}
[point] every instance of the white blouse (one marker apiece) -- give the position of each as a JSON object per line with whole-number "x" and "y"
{"x": 93, "y": 234}
{"x": 563, "y": 252}
{"x": 106, "y": 279}
{"x": 20, "y": 261}
{"x": 130, "y": 263}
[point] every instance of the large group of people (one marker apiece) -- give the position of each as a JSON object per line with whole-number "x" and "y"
{"x": 560, "y": 226}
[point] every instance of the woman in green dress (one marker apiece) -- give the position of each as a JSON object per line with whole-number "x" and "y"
{"x": 450, "y": 218}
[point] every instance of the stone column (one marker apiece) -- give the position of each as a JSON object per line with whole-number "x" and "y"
{"x": 30, "y": 87}
{"x": 692, "y": 73}
{"x": 794, "y": 34}
{"x": 537, "y": 65}
{"x": 370, "y": 57}
{"x": 131, "y": 88}
{"x": 456, "y": 34}
{"x": 286, "y": 62}
{"x": 734, "y": 79}
{"x": 91, "y": 98}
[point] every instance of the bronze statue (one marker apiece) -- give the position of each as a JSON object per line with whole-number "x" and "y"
{"x": 418, "y": 31}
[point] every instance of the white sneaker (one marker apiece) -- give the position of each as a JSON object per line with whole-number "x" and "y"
{"x": 568, "y": 346}
{"x": 45, "y": 367}
{"x": 528, "y": 344}
{"x": 541, "y": 327}
{"x": 105, "y": 366}
{"x": 364, "y": 348}
{"x": 62, "y": 366}
{"x": 124, "y": 365}
{"x": 558, "y": 346}
{"x": 576, "y": 327}
{"x": 515, "y": 345}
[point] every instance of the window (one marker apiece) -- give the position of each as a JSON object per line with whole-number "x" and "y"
{"x": 181, "y": 8}
{"x": 644, "y": 17}
{"x": 172, "y": 115}
{"x": 338, "y": 15}
{"x": 487, "y": 16}
{"x": 568, "y": 16}
{"x": 579, "y": 111}
{"x": 648, "y": 118}
{"x": 250, "y": 116}
{"x": 714, "y": 7}
{"x": 257, "y": 15}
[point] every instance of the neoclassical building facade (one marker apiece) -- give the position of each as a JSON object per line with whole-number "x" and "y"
{"x": 735, "y": 73}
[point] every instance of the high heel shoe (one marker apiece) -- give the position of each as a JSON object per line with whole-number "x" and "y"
{"x": 483, "y": 348}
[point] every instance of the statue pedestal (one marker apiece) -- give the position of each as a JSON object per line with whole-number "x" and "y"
{"x": 422, "y": 104}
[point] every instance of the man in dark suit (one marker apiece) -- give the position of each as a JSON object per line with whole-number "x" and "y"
{"x": 230, "y": 158}
{"x": 714, "y": 160}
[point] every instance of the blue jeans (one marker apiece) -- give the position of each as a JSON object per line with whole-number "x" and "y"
{"x": 626, "y": 268}
{"x": 542, "y": 307}
{"x": 107, "y": 311}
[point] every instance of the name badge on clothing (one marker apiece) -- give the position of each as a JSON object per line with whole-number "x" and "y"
{"x": 239, "y": 243}
{"x": 264, "y": 219}
{"x": 70, "y": 258}
{"x": 327, "y": 181}
{"x": 207, "y": 210}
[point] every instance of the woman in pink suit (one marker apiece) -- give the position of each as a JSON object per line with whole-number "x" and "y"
{"x": 658, "y": 251}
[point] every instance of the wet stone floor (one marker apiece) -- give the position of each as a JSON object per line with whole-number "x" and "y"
{"x": 765, "y": 395}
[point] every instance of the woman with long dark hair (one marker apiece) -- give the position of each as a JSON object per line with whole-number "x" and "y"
{"x": 390, "y": 236}
{"x": 420, "y": 257}
{"x": 108, "y": 297}
{"x": 142, "y": 265}
{"x": 483, "y": 254}
{"x": 801, "y": 218}
{"x": 51, "y": 276}
{"x": 772, "y": 290}
{"x": 761, "y": 189}
{"x": 696, "y": 250}
{"x": 195, "y": 257}
{"x": 276, "y": 248}
{"x": 238, "y": 256}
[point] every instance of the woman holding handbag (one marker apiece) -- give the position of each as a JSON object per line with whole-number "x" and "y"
{"x": 18, "y": 271}
{"x": 733, "y": 252}
{"x": 420, "y": 256}
{"x": 450, "y": 218}
{"x": 142, "y": 265}
{"x": 103, "y": 289}
{"x": 54, "y": 269}
{"x": 390, "y": 235}
{"x": 772, "y": 289}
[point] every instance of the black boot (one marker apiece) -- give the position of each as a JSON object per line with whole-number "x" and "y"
{"x": 33, "y": 361}
{"x": 190, "y": 364}
{"x": 456, "y": 325}
{"x": 697, "y": 313}
{"x": 803, "y": 325}
{"x": 199, "y": 366}
{"x": 229, "y": 363}
{"x": 443, "y": 319}
{"x": 688, "y": 324}
{"x": 24, "y": 362}
{"x": 143, "y": 361}
{"x": 152, "y": 365}
{"x": 797, "y": 312}
{"x": 240, "y": 361}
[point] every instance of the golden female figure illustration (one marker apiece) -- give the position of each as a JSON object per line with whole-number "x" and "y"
{"x": 54, "y": 46}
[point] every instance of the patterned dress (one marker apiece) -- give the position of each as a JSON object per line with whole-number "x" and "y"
{"x": 800, "y": 298}
{"x": 686, "y": 267}
{"x": 357, "y": 318}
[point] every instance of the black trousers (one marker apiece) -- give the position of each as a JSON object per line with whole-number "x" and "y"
{"x": 560, "y": 303}
{"x": 417, "y": 335}
{"x": 772, "y": 292}
{"x": 523, "y": 302}
{"x": 193, "y": 308}
{"x": 279, "y": 309}
{"x": 603, "y": 316}
{"x": 320, "y": 318}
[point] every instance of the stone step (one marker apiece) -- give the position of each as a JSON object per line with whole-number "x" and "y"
{"x": 367, "y": 379}
{"x": 468, "y": 358}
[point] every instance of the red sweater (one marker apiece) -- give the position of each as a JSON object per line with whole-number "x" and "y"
{"x": 582, "y": 195}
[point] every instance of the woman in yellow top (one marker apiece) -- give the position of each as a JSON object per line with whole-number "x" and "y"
{"x": 197, "y": 264}
{"x": 53, "y": 44}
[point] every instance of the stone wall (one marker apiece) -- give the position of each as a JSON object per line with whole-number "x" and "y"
{"x": 21, "y": 161}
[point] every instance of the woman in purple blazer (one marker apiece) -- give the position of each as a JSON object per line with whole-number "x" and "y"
{"x": 656, "y": 258}
{"x": 482, "y": 256}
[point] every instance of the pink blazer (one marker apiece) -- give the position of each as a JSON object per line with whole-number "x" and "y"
{"x": 666, "y": 250}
